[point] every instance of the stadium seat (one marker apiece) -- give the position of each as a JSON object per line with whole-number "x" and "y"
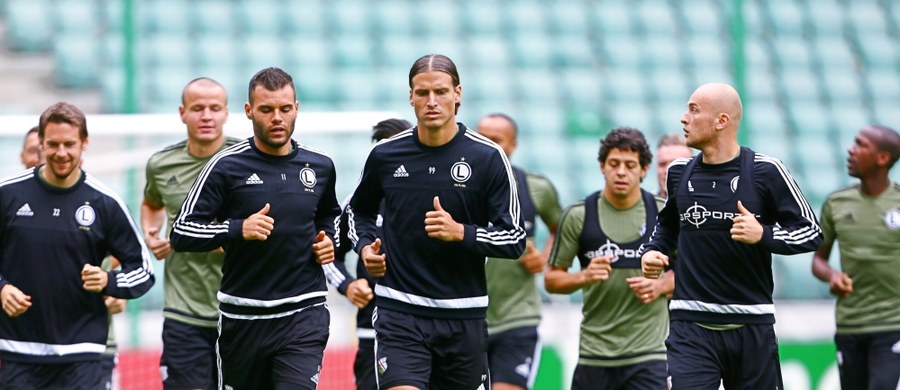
{"x": 621, "y": 51}
{"x": 786, "y": 17}
{"x": 436, "y": 18}
{"x": 760, "y": 84}
{"x": 212, "y": 17}
{"x": 574, "y": 51}
{"x": 799, "y": 83}
{"x": 792, "y": 51}
{"x": 842, "y": 86}
{"x": 305, "y": 18}
{"x": 482, "y": 18}
{"x": 356, "y": 89}
{"x": 400, "y": 52}
{"x": 168, "y": 49}
{"x": 867, "y": 17}
{"x": 76, "y": 17}
{"x": 487, "y": 86}
{"x": 537, "y": 87}
{"x": 77, "y": 60}
{"x": 655, "y": 17}
{"x": 701, "y": 17}
{"x": 393, "y": 19}
{"x": 526, "y": 16}
{"x": 29, "y": 26}
{"x": 879, "y": 50}
{"x": 349, "y": 17}
{"x": 216, "y": 52}
{"x": 614, "y": 18}
{"x": 669, "y": 83}
{"x": 260, "y": 51}
{"x": 351, "y": 51}
{"x": 533, "y": 50}
{"x": 256, "y": 17}
{"x": 809, "y": 118}
{"x": 168, "y": 17}
{"x": 826, "y": 17}
{"x": 625, "y": 85}
{"x": 848, "y": 119}
{"x": 316, "y": 84}
{"x": 488, "y": 52}
{"x": 305, "y": 51}
{"x": 582, "y": 88}
{"x": 567, "y": 18}
{"x": 664, "y": 52}
{"x": 883, "y": 84}
{"x": 834, "y": 53}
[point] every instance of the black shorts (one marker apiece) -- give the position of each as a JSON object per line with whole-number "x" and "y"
{"x": 743, "y": 358}
{"x": 108, "y": 364}
{"x": 364, "y": 365}
{"x": 282, "y": 352}
{"x": 869, "y": 361}
{"x": 430, "y": 353}
{"x": 189, "y": 356}
{"x": 513, "y": 356}
{"x": 639, "y": 376}
{"x": 87, "y": 375}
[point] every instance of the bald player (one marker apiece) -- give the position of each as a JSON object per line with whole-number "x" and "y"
{"x": 192, "y": 279}
{"x": 514, "y": 308}
{"x": 729, "y": 209}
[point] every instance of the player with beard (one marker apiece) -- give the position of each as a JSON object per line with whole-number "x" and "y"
{"x": 729, "y": 209}
{"x": 58, "y": 225}
{"x": 270, "y": 203}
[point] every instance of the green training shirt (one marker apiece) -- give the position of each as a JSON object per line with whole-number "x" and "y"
{"x": 513, "y": 299}
{"x": 868, "y": 233}
{"x": 616, "y": 329}
{"x": 191, "y": 278}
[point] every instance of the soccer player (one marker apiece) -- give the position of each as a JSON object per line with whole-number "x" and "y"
{"x": 623, "y": 329}
{"x": 358, "y": 289}
{"x": 728, "y": 210}
{"x": 865, "y": 219}
{"x": 270, "y": 202}
{"x": 31, "y": 149}
{"x": 58, "y": 225}
{"x": 31, "y": 157}
{"x": 449, "y": 199}
{"x": 191, "y": 278}
{"x": 514, "y": 308}
{"x": 669, "y": 148}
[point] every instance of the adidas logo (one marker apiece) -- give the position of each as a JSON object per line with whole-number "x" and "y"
{"x": 25, "y": 211}
{"x": 401, "y": 172}
{"x": 173, "y": 181}
{"x": 254, "y": 179}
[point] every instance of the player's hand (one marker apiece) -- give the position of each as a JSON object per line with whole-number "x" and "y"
{"x": 653, "y": 263}
{"x": 597, "y": 270}
{"x": 94, "y": 278}
{"x": 746, "y": 228}
{"x": 532, "y": 260}
{"x": 373, "y": 259}
{"x": 160, "y": 246}
{"x": 440, "y": 224}
{"x": 840, "y": 285}
{"x": 258, "y": 226}
{"x": 15, "y": 302}
{"x": 359, "y": 293}
{"x": 114, "y": 305}
{"x": 644, "y": 289}
{"x": 323, "y": 248}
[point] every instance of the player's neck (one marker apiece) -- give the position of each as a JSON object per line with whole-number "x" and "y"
{"x": 874, "y": 186}
{"x": 204, "y": 149}
{"x": 624, "y": 202}
{"x": 59, "y": 182}
{"x": 437, "y": 136}
{"x": 721, "y": 152}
